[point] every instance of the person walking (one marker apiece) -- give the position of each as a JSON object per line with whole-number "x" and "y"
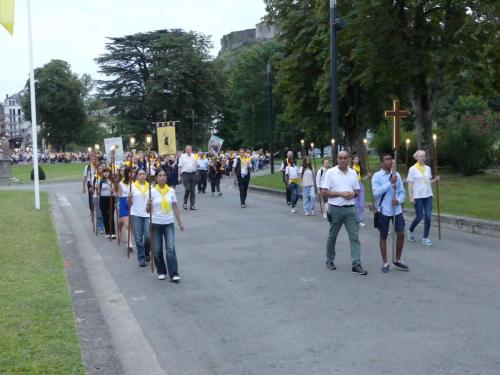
{"x": 283, "y": 166}
{"x": 360, "y": 199}
{"x": 123, "y": 189}
{"x": 420, "y": 193}
{"x": 215, "y": 175}
{"x": 137, "y": 200}
{"x": 107, "y": 203}
{"x": 292, "y": 179}
{"x": 241, "y": 169}
{"x": 172, "y": 170}
{"x": 389, "y": 192}
{"x": 203, "y": 165}
{"x": 341, "y": 185}
{"x": 187, "y": 170}
{"x": 89, "y": 174}
{"x": 163, "y": 206}
{"x": 307, "y": 183}
{"x": 320, "y": 174}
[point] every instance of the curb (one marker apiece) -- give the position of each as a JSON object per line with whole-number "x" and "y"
{"x": 459, "y": 223}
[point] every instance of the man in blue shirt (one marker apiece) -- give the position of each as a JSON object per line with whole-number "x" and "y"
{"x": 390, "y": 194}
{"x": 203, "y": 164}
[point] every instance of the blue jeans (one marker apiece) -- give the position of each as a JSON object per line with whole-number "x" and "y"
{"x": 423, "y": 206}
{"x": 360, "y": 202}
{"x": 308, "y": 198}
{"x": 100, "y": 223}
{"x": 294, "y": 188}
{"x": 140, "y": 228}
{"x": 165, "y": 234}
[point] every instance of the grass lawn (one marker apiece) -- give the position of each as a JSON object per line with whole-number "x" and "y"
{"x": 476, "y": 196}
{"x": 37, "y": 325}
{"x": 53, "y": 172}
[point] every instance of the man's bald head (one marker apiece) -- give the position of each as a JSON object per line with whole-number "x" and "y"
{"x": 343, "y": 160}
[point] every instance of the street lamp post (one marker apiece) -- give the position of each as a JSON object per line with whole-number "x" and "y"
{"x": 270, "y": 113}
{"x": 302, "y": 152}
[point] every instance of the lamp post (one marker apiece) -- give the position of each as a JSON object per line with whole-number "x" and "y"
{"x": 269, "y": 114}
{"x": 407, "y": 150}
{"x": 334, "y": 154}
{"x": 312, "y": 154}
{"x": 303, "y": 152}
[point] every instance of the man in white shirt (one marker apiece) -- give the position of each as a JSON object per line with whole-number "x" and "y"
{"x": 187, "y": 171}
{"x": 203, "y": 164}
{"x": 341, "y": 185}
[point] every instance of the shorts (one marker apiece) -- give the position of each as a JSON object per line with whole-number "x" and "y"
{"x": 123, "y": 209}
{"x": 384, "y": 221}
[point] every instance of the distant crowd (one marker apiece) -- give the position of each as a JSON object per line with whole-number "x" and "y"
{"x": 26, "y": 157}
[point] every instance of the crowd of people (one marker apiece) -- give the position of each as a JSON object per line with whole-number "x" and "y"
{"x": 26, "y": 157}
{"x": 140, "y": 191}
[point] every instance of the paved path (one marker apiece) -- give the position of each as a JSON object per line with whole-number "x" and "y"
{"x": 256, "y": 297}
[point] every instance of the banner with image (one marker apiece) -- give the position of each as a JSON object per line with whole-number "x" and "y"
{"x": 117, "y": 142}
{"x": 167, "y": 144}
{"x": 215, "y": 144}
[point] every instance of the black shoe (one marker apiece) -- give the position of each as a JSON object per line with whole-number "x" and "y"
{"x": 148, "y": 258}
{"x": 220, "y": 194}
{"x": 142, "y": 264}
{"x": 192, "y": 208}
{"x": 185, "y": 206}
{"x": 400, "y": 266}
{"x": 331, "y": 265}
{"x": 357, "y": 269}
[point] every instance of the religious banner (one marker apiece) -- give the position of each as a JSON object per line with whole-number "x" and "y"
{"x": 167, "y": 144}
{"x": 215, "y": 144}
{"x": 118, "y": 146}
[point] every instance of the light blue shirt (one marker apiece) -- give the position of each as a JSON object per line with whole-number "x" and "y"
{"x": 203, "y": 164}
{"x": 381, "y": 184}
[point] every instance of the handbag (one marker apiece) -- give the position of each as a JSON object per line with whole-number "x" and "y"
{"x": 376, "y": 215}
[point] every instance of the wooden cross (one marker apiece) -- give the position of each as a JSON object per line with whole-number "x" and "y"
{"x": 396, "y": 115}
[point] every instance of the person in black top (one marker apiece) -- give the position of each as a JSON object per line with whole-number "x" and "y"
{"x": 215, "y": 175}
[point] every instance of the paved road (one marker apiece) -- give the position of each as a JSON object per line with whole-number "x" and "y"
{"x": 256, "y": 298}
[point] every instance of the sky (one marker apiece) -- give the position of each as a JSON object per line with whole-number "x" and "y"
{"x": 76, "y": 30}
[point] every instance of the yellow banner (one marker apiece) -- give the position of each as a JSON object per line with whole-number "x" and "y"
{"x": 166, "y": 140}
{"x": 7, "y": 15}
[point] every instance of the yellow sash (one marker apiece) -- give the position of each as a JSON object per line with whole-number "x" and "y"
{"x": 357, "y": 169}
{"x": 165, "y": 206}
{"x": 140, "y": 187}
{"x": 422, "y": 170}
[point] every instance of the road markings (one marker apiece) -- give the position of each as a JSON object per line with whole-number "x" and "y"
{"x": 63, "y": 201}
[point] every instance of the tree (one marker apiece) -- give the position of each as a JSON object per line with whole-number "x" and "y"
{"x": 161, "y": 70}
{"x": 60, "y": 108}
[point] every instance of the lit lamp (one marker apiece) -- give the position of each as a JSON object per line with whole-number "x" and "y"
{"x": 97, "y": 147}
{"x": 434, "y": 138}
{"x": 365, "y": 141}
{"x": 149, "y": 141}
{"x": 132, "y": 141}
{"x": 302, "y": 142}
{"x": 408, "y": 143}
{"x": 89, "y": 150}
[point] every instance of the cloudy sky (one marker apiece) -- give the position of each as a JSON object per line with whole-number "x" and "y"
{"x": 76, "y": 30}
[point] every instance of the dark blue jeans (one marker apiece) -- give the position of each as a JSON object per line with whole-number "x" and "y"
{"x": 165, "y": 234}
{"x": 423, "y": 206}
{"x": 294, "y": 188}
{"x": 140, "y": 229}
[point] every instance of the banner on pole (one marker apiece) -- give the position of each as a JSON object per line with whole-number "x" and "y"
{"x": 117, "y": 142}
{"x": 215, "y": 144}
{"x": 7, "y": 15}
{"x": 167, "y": 144}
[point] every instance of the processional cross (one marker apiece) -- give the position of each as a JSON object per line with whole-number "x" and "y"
{"x": 397, "y": 114}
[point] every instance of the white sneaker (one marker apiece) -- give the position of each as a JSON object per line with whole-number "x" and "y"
{"x": 313, "y": 213}
{"x": 307, "y": 214}
{"x": 293, "y": 210}
{"x": 113, "y": 237}
{"x": 161, "y": 277}
{"x": 324, "y": 216}
{"x": 411, "y": 236}
{"x": 176, "y": 279}
{"x": 426, "y": 242}
{"x": 361, "y": 224}
{"x": 108, "y": 236}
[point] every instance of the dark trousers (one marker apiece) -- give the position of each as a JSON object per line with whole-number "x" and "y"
{"x": 107, "y": 205}
{"x": 202, "y": 181}
{"x": 91, "y": 197}
{"x": 215, "y": 184}
{"x": 243, "y": 182}
{"x": 189, "y": 182}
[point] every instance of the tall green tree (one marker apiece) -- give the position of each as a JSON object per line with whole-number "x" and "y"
{"x": 161, "y": 70}
{"x": 60, "y": 108}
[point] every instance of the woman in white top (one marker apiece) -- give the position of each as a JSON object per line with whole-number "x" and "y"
{"x": 163, "y": 205}
{"x": 292, "y": 179}
{"x": 420, "y": 193}
{"x": 137, "y": 200}
{"x": 107, "y": 202}
{"x": 123, "y": 189}
{"x": 307, "y": 183}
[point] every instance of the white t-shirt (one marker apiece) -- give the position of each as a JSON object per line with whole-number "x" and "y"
{"x": 320, "y": 176}
{"x": 422, "y": 187}
{"x": 292, "y": 171}
{"x": 124, "y": 189}
{"x": 307, "y": 177}
{"x": 187, "y": 163}
{"x": 336, "y": 180}
{"x": 139, "y": 201}
{"x": 158, "y": 216}
{"x": 90, "y": 174}
{"x": 203, "y": 164}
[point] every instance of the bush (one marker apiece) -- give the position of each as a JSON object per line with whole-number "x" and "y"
{"x": 382, "y": 142}
{"x": 41, "y": 174}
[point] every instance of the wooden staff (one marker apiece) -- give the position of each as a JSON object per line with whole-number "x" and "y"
{"x": 97, "y": 204}
{"x": 89, "y": 184}
{"x": 314, "y": 179}
{"x": 434, "y": 138}
{"x": 406, "y": 161}
{"x": 130, "y": 179}
{"x": 111, "y": 193}
{"x": 117, "y": 209}
{"x": 365, "y": 141}
{"x": 149, "y": 140}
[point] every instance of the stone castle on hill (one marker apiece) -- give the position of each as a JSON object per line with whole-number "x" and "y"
{"x": 238, "y": 39}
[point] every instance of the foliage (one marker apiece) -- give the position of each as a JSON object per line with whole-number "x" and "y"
{"x": 161, "y": 70}
{"x": 41, "y": 174}
{"x": 382, "y": 142}
{"x": 60, "y": 108}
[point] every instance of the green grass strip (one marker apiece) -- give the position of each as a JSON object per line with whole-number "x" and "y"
{"x": 37, "y": 324}
{"x": 53, "y": 172}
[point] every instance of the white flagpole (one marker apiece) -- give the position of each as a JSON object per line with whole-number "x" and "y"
{"x": 33, "y": 112}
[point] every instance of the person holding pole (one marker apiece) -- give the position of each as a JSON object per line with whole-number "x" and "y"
{"x": 420, "y": 193}
{"x": 137, "y": 200}
{"x": 307, "y": 183}
{"x": 389, "y": 192}
{"x": 106, "y": 203}
{"x": 163, "y": 207}
{"x": 360, "y": 199}
{"x": 325, "y": 165}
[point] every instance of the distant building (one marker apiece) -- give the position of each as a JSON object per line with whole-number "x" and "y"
{"x": 3, "y": 132}
{"x": 16, "y": 127}
{"x": 237, "y": 39}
